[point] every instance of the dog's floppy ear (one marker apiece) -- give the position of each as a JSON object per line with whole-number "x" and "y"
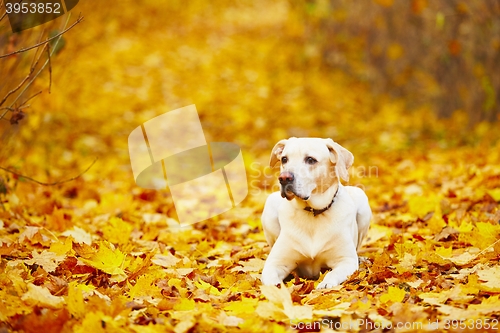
{"x": 276, "y": 152}
{"x": 341, "y": 157}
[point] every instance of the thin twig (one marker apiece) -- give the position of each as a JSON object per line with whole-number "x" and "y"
{"x": 80, "y": 18}
{"x": 36, "y": 52}
{"x": 54, "y": 183}
{"x": 491, "y": 245}
{"x": 17, "y": 108}
{"x": 4, "y": 14}
{"x": 32, "y": 69}
{"x": 14, "y": 90}
{"x": 26, "y": 101}
{"x": 50, "y": 67}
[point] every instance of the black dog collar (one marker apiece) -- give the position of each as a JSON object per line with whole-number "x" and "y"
{"x": 316, "y": 212}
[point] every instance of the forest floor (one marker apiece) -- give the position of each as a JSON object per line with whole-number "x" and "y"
{"x": 100, "y": 254}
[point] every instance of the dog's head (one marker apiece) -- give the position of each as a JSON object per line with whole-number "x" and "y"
{"x": 310, "y": 165}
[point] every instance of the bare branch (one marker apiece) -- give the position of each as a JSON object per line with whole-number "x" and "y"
{"x": 50, "y": 184}
{"x": 22, "y": 82}
{"x": 14, "y": 90}
{"x": 50, "y": 67}
{"x": 36, "y": 52}
{"x": 26, "y": 101}
{"x": 22, "y": 105}
{"x": 4, "y": 14}
{"x": 78, "y": 20}
{"x": 17, "y": 108}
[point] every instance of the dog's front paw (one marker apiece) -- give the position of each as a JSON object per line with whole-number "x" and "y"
{"x": 329, "y": 282}
{"x": 269, "y": 280}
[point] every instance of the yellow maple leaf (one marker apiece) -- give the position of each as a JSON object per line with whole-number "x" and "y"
{"x": 62, "y": 248}
{"x": 207, "y": 287}
{"x": 245, "y": 305}
{"x": 74, "y": 301}
{"x": 465, "y": 227}
{"x": 244, "y": 285}
{"x": 185, "y": 304}
{"x": 97, "y": 322}
{"x": 394, "y": 294}
{"x": 228, "y": 280}
{"x": 444, "y": 252}
{"x": 436, "y": 222}
{"x": 407, "y": 247}
{"x": 144, "y": 286}
{"x": 108, "y": 260}
{"x": 488, "y": 234}
{"x": 179, "y": 285}
{"x": 495, "y": 194}
{"x": 175, "y": 282}
{"x": 117, "y": 231}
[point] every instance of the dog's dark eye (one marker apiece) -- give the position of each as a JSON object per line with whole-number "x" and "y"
{"x": 284, "y": 159}
{"x": 310, "y": 160}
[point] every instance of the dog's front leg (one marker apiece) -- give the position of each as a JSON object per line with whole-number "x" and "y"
{"x": 341, "y": 270}
{"x": 281, "y": 261}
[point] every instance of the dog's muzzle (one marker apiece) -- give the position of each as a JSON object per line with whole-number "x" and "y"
{"x": 286, "y": 180}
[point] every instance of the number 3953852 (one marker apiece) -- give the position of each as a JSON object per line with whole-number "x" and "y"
{"x": 26, "y": 14}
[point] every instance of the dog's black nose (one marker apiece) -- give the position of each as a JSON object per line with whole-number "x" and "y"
{"x": 286, "y": 178}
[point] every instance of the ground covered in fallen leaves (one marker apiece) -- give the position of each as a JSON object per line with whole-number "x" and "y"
{"x": 100, "y": 254}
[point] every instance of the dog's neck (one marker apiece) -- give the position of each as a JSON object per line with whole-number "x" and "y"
{"x": 321, "y": 202}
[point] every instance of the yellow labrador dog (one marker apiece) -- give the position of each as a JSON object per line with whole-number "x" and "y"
{"x": 314, "y": 221}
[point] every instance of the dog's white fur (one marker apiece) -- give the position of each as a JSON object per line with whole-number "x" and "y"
{"x": 297, "y": 237}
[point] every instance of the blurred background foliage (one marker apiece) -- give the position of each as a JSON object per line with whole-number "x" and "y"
{"x": 439, "y": 53}
{"x": 377, "y": 76}
{"x": 410, "y": 87}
